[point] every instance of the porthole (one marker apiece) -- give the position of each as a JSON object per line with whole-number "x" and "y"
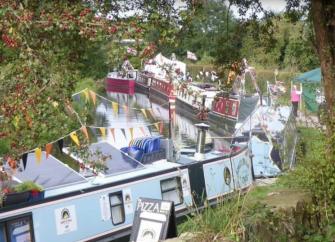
{"x": 227, "y": 175}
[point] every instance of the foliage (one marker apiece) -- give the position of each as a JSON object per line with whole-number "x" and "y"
{"x": 28, "y": 186}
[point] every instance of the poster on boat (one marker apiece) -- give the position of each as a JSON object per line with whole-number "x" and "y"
{"x": 128, "y": 201}
{"x": 105, "y": 208}
{"x": 66, "y": 220}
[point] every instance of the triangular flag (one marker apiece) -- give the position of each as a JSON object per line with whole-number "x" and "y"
{"x": 38, "y": 155}
{"x": 60, "y": 145}
{"x": 113, "y": 133}
{"x": 115, "y": 107}
{"x": 131, "y": 131}
{"x": 144, "y": 112}
{"x": 124, "y": 133}
{"x": 157, "y": 126}
{"x": 84, "y": 130}
{"x": 93, "y": 96}
{"x": 87, "y": 98}
{"x": 24, "y": 160}
{"x": 161, "y": 127}
{"x": 151, "y": 112}
{"x": 150, "y": 129}
{"x": 48, "y": 149}
{"x": 103, "y": 132}
{"x": 75, "y": 139}
{"x": 125, "y": 107}
{"x": 142, "y": 130}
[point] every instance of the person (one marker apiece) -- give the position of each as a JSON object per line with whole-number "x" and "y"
{"x": 295, "y": 98}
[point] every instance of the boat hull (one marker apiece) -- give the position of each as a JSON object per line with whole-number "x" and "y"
{"x": 119, "y": 85}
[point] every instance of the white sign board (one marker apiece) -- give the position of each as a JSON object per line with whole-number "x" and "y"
{"x": 105, "y": 208}
{"x": 66, "y": 219}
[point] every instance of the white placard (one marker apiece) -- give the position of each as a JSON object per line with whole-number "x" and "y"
{"x": 105, "y": 208}
{"x": 66, "y": 219}
{"x": 149, "y": 231}
{"x": 185, "y": 183}
{"x": 128, "y": 201}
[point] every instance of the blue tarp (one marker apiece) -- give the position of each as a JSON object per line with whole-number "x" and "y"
{"x": 313, "y": 76}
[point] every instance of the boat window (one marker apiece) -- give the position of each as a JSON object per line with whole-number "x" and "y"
{"x": 18, "y": 229}
{"x": 117, "y": 208}
{"x": 171, "y": 190}
{"x": 227, "y": 175}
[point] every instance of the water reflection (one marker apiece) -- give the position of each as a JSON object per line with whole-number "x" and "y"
{"x": 128, "y": 114}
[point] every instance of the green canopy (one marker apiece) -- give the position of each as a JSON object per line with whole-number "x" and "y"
{"x": 313, "y": 76}
{"x": 311, "y": 81}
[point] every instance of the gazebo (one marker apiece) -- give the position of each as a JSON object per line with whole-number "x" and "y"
{"x": 310, "y": 83}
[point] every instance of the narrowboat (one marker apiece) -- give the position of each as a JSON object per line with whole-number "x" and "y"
{"x": 77, "y": 206}
{"x": 122, "y": 81}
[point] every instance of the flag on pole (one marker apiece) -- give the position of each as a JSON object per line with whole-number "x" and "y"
{"x": 191, "y": 56}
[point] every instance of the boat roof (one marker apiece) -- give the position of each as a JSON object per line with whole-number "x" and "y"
{"x": 49, "y": 172}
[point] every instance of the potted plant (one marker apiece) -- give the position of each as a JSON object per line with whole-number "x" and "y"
{"x": 34, "y": 190}
{"x": 20, "y": 193}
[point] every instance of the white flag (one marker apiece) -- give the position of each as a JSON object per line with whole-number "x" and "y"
{"x": 191, "y": 56}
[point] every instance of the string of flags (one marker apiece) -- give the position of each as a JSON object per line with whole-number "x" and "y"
{"x": 74, "y": 136}
{"x": 90, "y": 95}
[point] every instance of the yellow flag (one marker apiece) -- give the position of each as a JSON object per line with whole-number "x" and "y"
{"x": 75, "y": 139}
{"x": 131, "y": 131}
{"x": 93, "y": 96}
{"x": 151, "y": 112}
{"x": 144, "y": 112}
{"x": 38, "y": 155}
{"x": 103, "y": 132}
{"x": 84, "y": 130}
{"x": 115, "y": 107}
{"x": 157, "y": 126}
{"x": 87, "y": 98}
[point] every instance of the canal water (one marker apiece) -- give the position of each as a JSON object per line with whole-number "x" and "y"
{"x": 140, "y": 113}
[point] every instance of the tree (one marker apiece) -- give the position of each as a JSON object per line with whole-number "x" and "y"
{"x": 47, "y": 48}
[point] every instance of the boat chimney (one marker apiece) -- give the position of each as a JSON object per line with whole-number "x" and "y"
{"x": 201, "y": 139}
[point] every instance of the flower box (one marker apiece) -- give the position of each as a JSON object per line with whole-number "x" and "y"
{"x": 16, "y": 198}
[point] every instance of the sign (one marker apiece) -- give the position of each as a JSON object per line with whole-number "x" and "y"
{"x": 20, "y": 230}
{"x": 66, "y": 219}
{"x": 128, "y": 201}
{"x": 154, "y": 220}
{"x": 105, "y": 208}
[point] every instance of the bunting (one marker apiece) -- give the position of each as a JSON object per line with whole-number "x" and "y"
{"x": 157, "y": 126}
{"x": 87, "y": 98}
{"x": 75, "y": 139}
{"x": 144, "y": 112}
{"x": 84, "y": 130}
{"x": 131, "y": 131}
{"x": 115, "y": 107}
{"x": 24, "y": 160}
{"x": 93, "y": 96}
{"x": 161, "y": 127}
{"x": 124, "y": 133}
{"x": 103, "y": 132}
{"x": 38, "y": 155}
{"x": 48, "y": 149}
{"x": 60, "y": 145}
{"x": 142, "y": 130}
{"x": 113, "y": 133}
{"x": 125, "y": 107}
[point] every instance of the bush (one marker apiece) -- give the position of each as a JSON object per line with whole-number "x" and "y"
{"x": 28, "y": 186}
